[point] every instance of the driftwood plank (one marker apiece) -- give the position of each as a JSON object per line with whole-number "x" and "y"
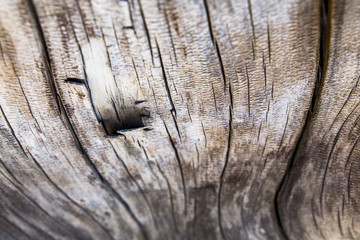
{"x": 151, "y": 119}
{"x": 323, "y": 184}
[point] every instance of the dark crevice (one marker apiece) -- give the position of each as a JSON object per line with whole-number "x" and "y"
{"x": 323, "y": 52}
{"x": 167, "y": 87}
{"x": 131, "y": 18}
{"x": 269, "y": 42}
{"x": 173, "y": 115}
{"x": 227, "y": 158}
{"x": 25, "y": 97}
{"x": 139, "y": 101}
{"x": 136, "y": 72}
{"x": 251, "y": 19}
{"x": 77, "y": 81}
{"x": 264, "y": 68}
{"x": 146, "y": 30}
{"x": 222, "y": 68}
{"x": 62, "y": 111}
{"x": 180, "y": 166}
{"x": 2, "y": 54}
{"x": 323, "y": 59}
{"x": 203, "y": 128}
{"x": 248, "y": 90}
{"x": 208, "y": 17}
{"x": 188, "y": 110}
{"x": 128, "y": 28}
{"x": 78, "y": 143}
{"x": 82, "y": 20}
{"x": 253, "y": 49}
{"x": 40, "y": 39}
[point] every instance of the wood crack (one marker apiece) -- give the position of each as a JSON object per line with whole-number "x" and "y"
{"x": 62, "y": 111}
{"x": 97, "y": 173}
{"x": 167, "y": 88}
{"x": 82, "y": 20}
{"x": 222, "y": 68}
{"x": 324, "y": 45}
{"x": 180, "y": 166}
{"x": 269, "y": 41}
{"x": 146, "y": 30}
{"x": 208, "y": 18}
{"x": 136, "y": 183}
{"x": 248, "y": 88}
{"x": 227, "y": 159}
{"x": 329, "y": 158}
{"x": 2, "y": 54}
{"x": 131, "y": 18}
{"x": 40, "y": 38}
{"x": 251, "y": 19}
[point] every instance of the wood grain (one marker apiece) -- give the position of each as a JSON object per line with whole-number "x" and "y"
{"x": 48, "y": 189}
{"x": 323, "y": 184}
{"x": 165, "y": 119}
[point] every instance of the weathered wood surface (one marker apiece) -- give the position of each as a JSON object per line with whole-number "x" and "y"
{"x": 184, "y": 119}
{"x": 323, "y": 183}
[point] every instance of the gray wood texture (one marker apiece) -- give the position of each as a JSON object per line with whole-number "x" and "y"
{"x": 323, "y": 184}
{"x": 179, "y": 119}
